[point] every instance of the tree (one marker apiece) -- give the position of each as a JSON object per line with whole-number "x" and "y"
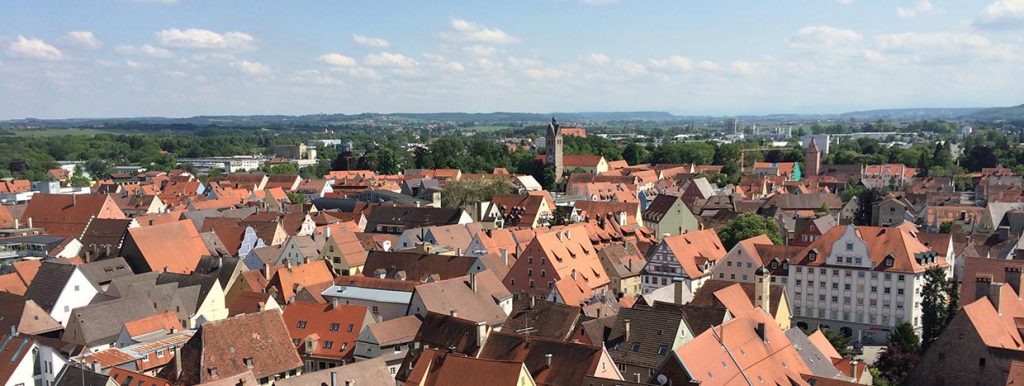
{"x": 79, "y": 181}
{"x": 282, "y": 169}
{"x": 635, "y": 154}
{"x": 900, "y": 355}
{"x": 748, "y": 225}
{"x": 865, "y": 201}
{"x": 946, "y": 227}
{"x": 296, "y": 198}
{"x": 459, "y": 193}
{"x": 560, "y": 216}
{"x": 98, "y": 168}
{"x": 933, "y": 305}
{"x": 841, "y": 342}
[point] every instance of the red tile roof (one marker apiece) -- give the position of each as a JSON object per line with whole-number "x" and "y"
{"x": 166, "y": 322}
{"x": 288, "y": 280}
{"x": 586, "y": 161}
{"x": 69, "y": 214}
{"x": 900, "y": 242}
{"x": 175, "y": 246}
{"x": 693, "y": 249}
{"x": 335, "y": 326}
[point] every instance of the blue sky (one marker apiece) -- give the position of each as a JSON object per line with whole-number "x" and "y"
{"x": 120, "y": 58}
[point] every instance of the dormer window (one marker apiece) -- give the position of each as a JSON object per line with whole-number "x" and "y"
{"x": 889, "y": 261}
{"x": 812, "y": 255}
{"x": 247, "y": 362}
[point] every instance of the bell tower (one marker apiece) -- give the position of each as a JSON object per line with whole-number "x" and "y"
{"x": 553, "y": 149}
{"x": 812, "y": 158}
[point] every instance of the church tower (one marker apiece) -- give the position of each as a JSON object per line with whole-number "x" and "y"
{"x": 553, "y": 149}
{"x": 812, "y": 158}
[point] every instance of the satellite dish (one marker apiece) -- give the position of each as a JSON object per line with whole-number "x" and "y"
{"x": 662, "y": 379}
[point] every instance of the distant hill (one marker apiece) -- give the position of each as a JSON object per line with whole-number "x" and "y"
{"x": 1015, "y": 113}
{"x": 909, "y": 114}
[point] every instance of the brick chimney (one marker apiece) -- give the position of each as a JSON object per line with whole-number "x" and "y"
{"x": 762, "y": 289}
{"x": 982, "y": 283}
{"x": 1013, "y": 278}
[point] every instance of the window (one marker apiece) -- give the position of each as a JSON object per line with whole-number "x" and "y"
{"x": 328, "y": 344}
{"x": 295, "y": 342}
{"x": 635, "y": 347}
{"x": 159, "y": 353}
{"x": 981, "y": 362}
{"x": 344, "y": 346}
{"x": 529, "y": 272}
{"x": 662, "y": 349}
{"x": 543, "y": 273}
{"x": 874, "y": 289}
{"x": 213, "y": 371}
{"x": 899, "y": 291}
{"x": 76, "y": 288}
{"x": 732, "y": 276}
{"x": 721, "y": 276}
{"x": 849, "y": 246}
{"x": 799, "y": 269}
{"x": 335, "y": 326}
{"x": 744, "y": 277}
{"x": 728, "y": 264}
{"x": 846, "y": 287}
{"x": 888, "y": 290}
{"x": 835, "y": 286}
{"x": 375, "y": 309}
{"x": 247, "y": 361}
{"x": 350, "y": 327}
{"x": 301, "y": 324}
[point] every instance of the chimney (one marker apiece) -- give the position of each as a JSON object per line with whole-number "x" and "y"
{"x": 760, "y": 332}
{"x": 472, "y": 281}
{"x": 266, "y": 271}
{"x": 481, "y": 333}
{"x": 74, "y": 199}
{"x": 30, "y": 222}
{"x": 678, "y": 288}
{"x": 533, "y": 302}
{"x": 177, "y": 361}
{"x": 454, "y": 313}
{"x": 853, "y": 370}
{"x": 350, "y": 382}
{"x": 14, "y": 330}
{"x": 1013, "y": 278}
{"x": 504, "y": 256}
{"x": 327, "y": 231}
{"x": 108, "y": 250}
{"x": 636, "y": 377}
{"x": 334, "y": 378}
{"x": 981, "y": 286}
{"x": 17, "y": 223}
{"x": 458, "y": 251}
{"x": 993, "y": 296}
{"x": 626, "y": 337}
{"x": 547, "y": 359}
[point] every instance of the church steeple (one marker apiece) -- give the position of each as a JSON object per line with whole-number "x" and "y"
{"x": 812, "y": 158}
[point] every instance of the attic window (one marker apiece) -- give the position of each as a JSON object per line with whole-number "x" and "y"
{"x": 247, "y": 362}
{"x": 301, "y": 324}
{"x": 889, "y": 260}
{"x": 213, "y": 371}
{"x": 335, "y": 326}
{"x": 662, "y": 349}
{"x": 635, "y": 347}
{"x": 328, "y": 344}
{"x": 350, "y": 326}
{"x": 812, "y": 255}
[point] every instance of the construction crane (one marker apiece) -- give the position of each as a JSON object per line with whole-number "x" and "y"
{"x": 743, "y": 153}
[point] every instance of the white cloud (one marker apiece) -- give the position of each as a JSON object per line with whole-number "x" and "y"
{"x": 146, "y": 49}
{"x": 923, "y": 7}
{"x": 674, "y": 63}
{"x": 387, "y": 59}
{"x": 824, "y": 36}
{"x": 479, "y": 50}
{"x": 33, "y": 48}
{"x": 488, "y": 64}
{"x": 370, "y": 42}
{"x": 598, "y": 59}
{"x": 133, "y": 64}
{"x": 524, "y": 62}
{"x": 708, "y": 65}
{"x": 339, "y": 60}
{"x": 743, "y": 67}
{"x": 1002, "y": 14}
{"x": 914, "y": 41}
{"x": 83, "y": 39}
{"x": 252, "y": 68}
{"x": 467, "y": 31}
{"x": 630, "y": 68}
{"x": 205, "y": 39}
{"x": 546, "y": 73}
